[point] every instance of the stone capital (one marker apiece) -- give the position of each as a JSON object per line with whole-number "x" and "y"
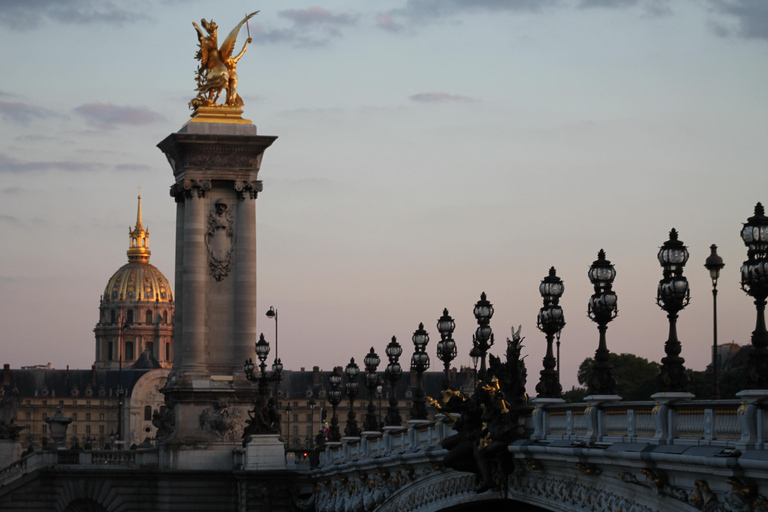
{"x": 247, "y": 189}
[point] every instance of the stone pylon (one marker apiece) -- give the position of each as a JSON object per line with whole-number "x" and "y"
{"x": 215, "y": 161}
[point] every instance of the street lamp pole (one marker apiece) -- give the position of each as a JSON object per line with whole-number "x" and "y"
{"x": 446, "y": 347}
{"x": 334, "y": 395}
{"x": 353, "y": 388}
{"x": 371, "y": 361}
{"x": 483, "y": 339}
{"x": 420, "y": 364}
{"x": 550, "y": 321}
{"x": 754, "y": 281}
{"x": 672, "y": 296}
{"x": 272, "y": 313}
{"x": 602, "y": 309}
{"x": 714, "y": 264}
{"x": 393, "y": 373}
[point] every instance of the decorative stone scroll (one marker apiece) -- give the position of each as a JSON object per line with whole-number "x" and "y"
{"x": 249, "y": 188}
{"x": 184, "y": 189}
{"x": 219, "y": 240}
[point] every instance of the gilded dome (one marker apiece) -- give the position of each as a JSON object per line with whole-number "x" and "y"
{"x": 138, "y": 280}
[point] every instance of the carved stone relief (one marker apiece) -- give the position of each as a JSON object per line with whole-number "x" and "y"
{"x": 219, "y": 240}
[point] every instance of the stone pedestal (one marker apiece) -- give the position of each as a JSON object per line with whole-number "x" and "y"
{"x": 10, "y": 451}
{"x": 265, "y": 453}
{"x": 215, "y": 161}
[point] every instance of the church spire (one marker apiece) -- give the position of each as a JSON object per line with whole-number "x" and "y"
{"x": 138, "y": 246}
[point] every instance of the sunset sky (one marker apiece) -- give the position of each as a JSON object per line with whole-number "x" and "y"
{"x": 428, "y": 150}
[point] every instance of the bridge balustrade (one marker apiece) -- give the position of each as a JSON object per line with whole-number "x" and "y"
{"x": 726, "y": 423}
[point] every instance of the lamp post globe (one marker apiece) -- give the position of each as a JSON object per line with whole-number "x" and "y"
{"x": 602, "y": 309}
{"x": 754, "y": 281}
{"x": 334, "y": 396}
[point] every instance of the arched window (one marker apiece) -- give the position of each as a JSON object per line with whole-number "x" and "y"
{"x": 148, "y": 319}
{"x": 147, "y": 413}
{"x": 165, "y": 317}
{"x": 113, "y": 316}
{"x": 130, "y": 316}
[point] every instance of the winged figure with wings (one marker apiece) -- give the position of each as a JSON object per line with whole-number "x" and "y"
{"x": 218, "y": 67}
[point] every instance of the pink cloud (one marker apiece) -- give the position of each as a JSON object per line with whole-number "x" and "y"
{"x": 107, "y": 114}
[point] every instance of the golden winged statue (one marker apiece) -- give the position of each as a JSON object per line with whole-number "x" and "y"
{"x": 218, "y": 67}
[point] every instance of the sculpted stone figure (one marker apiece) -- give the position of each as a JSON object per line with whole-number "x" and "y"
{"x": 218, "y": 68}
{"x": 8, "y": 407}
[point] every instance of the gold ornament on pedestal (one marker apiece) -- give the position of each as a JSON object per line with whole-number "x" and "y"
{"x": 218, "y": 71}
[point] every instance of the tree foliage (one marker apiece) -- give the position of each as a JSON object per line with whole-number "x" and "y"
{"x": 635, "y": 376}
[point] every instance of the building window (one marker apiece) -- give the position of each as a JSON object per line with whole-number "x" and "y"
{"x": 87, "y": 416}
{"x": 167, "y": 351}
{"x": 165, "y": 317}
{"x": 74, "y": 430}
{"x": 147, "y": 413}
{"x": 309, "y": 417}
{"x": 74, "y": 416}
{"x": 109, "y": 351}
{"x": 113, "y": 316}
{"x": 295, "y": 417}
{"x": 129, "y": 318}
{"x": 29, "y": 416}
{"x": 44, "y": 415}
{"x": 101, "y": 429}
{"x": 148, "y": 317}
{"x": 151, "y": 347}
{"x": 101, "y": 416}
{"x": 295, "y": 431}
{"x": 129, "y": 351}
{"x": 87, "y": 429}
{"x": 61, "y": 402}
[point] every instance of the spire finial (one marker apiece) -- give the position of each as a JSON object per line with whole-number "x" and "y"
{"x": 138, "y": 248}
{"x": 138, "y": 212}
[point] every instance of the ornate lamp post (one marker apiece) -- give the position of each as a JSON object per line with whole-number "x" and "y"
{"x": 602, "y": 309}
{"x": 312, "y": 405}
{"x": 420, "y": 364}
{"x": 353, "y": 388}
{"x": 371, "y": 361}
{"x": 272, "y": 313}
{"x": 672, "y": 296}
{"x": 483, "y": 339}
{"x": 550, "y": 322}
{"x": 446, "y": 347}
{"x": 754, "y": 281}
{"x": 262, "y": 406}
{"x": 714, "y": 264}
{"x": 334, "y": 396}
{"x": 393, "y": 373}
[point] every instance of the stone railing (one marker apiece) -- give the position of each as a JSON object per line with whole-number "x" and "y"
{"x": 727, "y": 423}
{"x": 418, "y": 436}
{"x": 107, "y": 459}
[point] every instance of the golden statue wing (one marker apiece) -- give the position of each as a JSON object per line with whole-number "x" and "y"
{"x": 202, "y": 54}
{"x": 228, "y": 46}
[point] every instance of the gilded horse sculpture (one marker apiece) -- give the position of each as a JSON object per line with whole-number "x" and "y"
{"x": 218, "y": 67}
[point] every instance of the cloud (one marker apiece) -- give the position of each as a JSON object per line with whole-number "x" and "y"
{"x": 385, "y": 22}
{"x": 12, "y": 191}
{"x": 316, "y": 16}
{"x": 748, "y": 18}
{"x": 10, "y": 219}
{"x": 586, "y": 4}
{"x": 132, "y": 167}
{"x": 4, "y": 94}
{"x": 107, "y": 115}
{"x": 312, "y": 27}
{"x": 17, "y": 112}
{"x": 439, "y": 97}
{"x": 20, "y": 16}
{"x": 429, "y": 10}
{"x": 13, "y": 166}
